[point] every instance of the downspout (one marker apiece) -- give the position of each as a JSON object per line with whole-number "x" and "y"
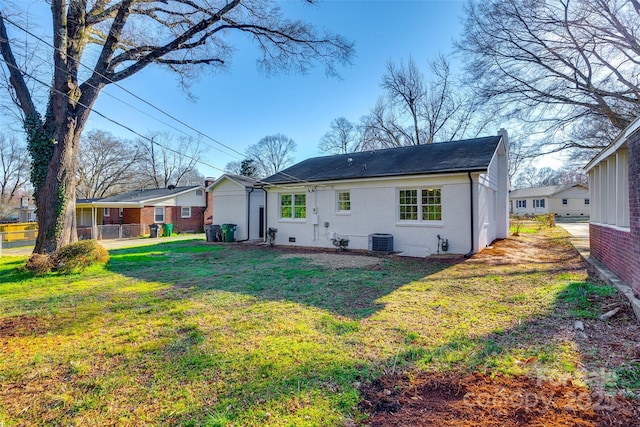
{"x": 467, "y": 255}
{"x": 265, "y": 198}
{"x": 248, "y": 215}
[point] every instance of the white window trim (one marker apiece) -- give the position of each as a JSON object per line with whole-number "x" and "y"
{"x": 342, "y": 211}
{"x": 293, "y": 207}
{"x": 182, "y": 215}
{"x": 521, "y": 204}
{"x": 120, "y": 212}
{"x": 155, "y": 215}
{"x": 106, "y": 211}
{"x": 419, "y": 221}
{"x": 565, "y": 202}
{"x": 538, "y": 205}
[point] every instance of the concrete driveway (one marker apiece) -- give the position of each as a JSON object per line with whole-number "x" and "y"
{"x": 579, "y": 235}
{"x": 578, "y": 230}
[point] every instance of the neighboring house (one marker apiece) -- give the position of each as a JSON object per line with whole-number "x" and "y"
{"x": 419, "y": 195}
{"x": 239, "y": 200}
{"x": 570, "y": 200}
{"x": 183, "y": 207}
{"x": 614, "y": 181}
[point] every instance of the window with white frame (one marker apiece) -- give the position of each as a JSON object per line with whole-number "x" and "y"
{"x": 586, "y": 201}
{"x": 158, "y": 214}
{"x": 185, "y": 212}
{"x": 538, "y": 203}
{"x": 565, "y": 201}
{"x": 420, "y": 204}
{"x": 120, "y": 212}
{"x": 106, "y": 212}
{"x": 521, "y": 204}
{"x": 293, "y": 206}
{"x": 344, "y": 201}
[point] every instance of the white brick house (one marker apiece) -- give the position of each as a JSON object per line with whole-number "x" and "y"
{"x": 455, "y": 190}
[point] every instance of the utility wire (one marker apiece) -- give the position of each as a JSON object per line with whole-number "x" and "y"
{"x": 127, "y": 90}
{"x": 299, "y": 180}
{"x": 116, "y": 122}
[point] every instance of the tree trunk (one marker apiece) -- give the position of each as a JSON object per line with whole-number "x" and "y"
{"x": 56, "y": 197}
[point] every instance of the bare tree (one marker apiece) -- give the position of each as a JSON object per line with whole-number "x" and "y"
{"x": 168, "y": 161}
{"x": 14, "y": 168}
{"x": 405, "y": 90}
{"x": 564, "y": 64}
{"x": 245, "y": 167}
{"x": 272, "y": 153}
{"x": 106, "y": 165}
{"x": 342, "y": 137}
{"x": 414, "y": 110}
{"x": 182, "y": 35}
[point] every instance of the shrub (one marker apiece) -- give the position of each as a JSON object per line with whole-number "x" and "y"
{"x": 40, "y": 264}
{"x": 80, "y": 255}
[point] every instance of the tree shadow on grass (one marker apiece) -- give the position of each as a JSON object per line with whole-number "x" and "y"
{"x": 263, "y": 273}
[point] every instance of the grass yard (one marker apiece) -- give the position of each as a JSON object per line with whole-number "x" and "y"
{"x": 195, "y": 334}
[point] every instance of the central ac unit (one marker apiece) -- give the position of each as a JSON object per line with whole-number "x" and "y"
{"x": 380, "y": 242}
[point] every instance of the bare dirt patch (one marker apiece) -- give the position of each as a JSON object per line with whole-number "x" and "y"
{"x": 21, "y": 326}
{"x": 479, "y": 400}
{"x": 463, "y": 398}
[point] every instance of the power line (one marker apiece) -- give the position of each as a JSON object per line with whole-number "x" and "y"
{"x": 115, "y": 121}
{"x": 127, "y": 90}
{"x": 299, "y": 180}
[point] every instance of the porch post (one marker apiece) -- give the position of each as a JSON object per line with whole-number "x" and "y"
{"x": 94, "y": 226}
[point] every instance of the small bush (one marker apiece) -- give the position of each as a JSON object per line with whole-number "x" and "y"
{"x": 80, "y": 255}
{"x": 40, "y": 264}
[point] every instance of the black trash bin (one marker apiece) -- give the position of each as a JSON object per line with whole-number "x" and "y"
{"x": 216, "y": 231}
{"x": 153, "y": 230}
{"x": 208, "y": 232}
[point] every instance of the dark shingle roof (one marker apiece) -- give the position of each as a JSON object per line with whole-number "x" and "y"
{"x": 446, "y": 157}
{"x": 143, "y": 195}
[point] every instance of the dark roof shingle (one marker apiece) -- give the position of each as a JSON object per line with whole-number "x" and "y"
{"x": 446, "y": 157}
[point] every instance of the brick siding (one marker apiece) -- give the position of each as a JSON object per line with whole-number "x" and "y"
{"x": 618, "y": 249}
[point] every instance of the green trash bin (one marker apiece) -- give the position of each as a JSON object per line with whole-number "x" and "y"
{"x": 167, "y": 229}
{"x": 228, "y": 232}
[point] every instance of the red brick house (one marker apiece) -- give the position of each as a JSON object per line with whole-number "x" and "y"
{"x": 614, "y": 182}
{"x": 183, "y": 207}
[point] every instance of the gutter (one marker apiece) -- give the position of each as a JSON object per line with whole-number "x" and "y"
{"x": 248, "y": 215}
{"x": 468, "y": 254}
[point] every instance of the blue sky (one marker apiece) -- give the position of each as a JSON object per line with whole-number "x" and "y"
{"x": 239, "y": 106}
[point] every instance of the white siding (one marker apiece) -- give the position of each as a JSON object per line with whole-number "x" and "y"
{"x": 374, "y": 209}
{"x": 191, "y": 199}
{"x": 230, "y": 205}
{"x": 575, "y": 202}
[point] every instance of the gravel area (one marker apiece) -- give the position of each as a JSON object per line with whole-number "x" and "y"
{"x": 337, "y": 261}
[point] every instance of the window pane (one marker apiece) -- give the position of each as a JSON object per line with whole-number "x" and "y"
{"x": 159, "y": 214}
{"x": 408, "y": 205}
{"x": 300, "y": 206}
{"x": 344, "y": 201}
{"x": 286, "y": 206}
{"x": 431, "y": 204}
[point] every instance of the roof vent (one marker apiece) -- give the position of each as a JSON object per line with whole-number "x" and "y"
{"x": 171, "y": 187}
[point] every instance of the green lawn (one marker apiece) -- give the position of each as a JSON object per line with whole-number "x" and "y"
{"x": 189, "y": 333}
